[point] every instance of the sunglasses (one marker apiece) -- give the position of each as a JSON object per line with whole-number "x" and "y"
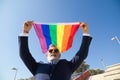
{"x": 55, "y": 50}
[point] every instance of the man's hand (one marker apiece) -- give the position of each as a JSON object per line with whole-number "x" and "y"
{"x": 27, "y": 26}
{"x": 84, "y": 27}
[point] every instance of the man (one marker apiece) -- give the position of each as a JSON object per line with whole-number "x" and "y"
{"x": 56, "y": 68}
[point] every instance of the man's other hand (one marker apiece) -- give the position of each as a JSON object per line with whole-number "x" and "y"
{"x": 27, "y": 26}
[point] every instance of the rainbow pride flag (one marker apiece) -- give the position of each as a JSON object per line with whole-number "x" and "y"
{"x": 59, "y": 34}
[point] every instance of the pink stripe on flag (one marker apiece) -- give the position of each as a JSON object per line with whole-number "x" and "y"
{"x": 38, "y": 29}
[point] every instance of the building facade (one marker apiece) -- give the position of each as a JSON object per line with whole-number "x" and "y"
{"x": 111, "y": 73}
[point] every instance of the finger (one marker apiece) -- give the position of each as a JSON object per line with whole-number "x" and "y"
{"x": 81, "y": 23}
{"x": 30, "y": 21}
{"x": 84, "y": 24}
{"x": 26, "y": 24}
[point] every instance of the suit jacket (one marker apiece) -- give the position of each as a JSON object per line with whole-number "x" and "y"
{"x": 60, "y": 71}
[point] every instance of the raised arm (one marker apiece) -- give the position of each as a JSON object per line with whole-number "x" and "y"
{"x": 83, "y": 51}
{"x": 25, "y": 55}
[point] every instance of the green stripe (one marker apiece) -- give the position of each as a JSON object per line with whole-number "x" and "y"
{"x": 53, "y": 34}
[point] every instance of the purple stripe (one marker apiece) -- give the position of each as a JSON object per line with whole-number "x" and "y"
{"x": 41, "y": 37}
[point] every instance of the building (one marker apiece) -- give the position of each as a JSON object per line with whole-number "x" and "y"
{"x": 111, "y": 73}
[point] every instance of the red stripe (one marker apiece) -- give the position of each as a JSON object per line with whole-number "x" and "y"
{"x": 72, "y": 34}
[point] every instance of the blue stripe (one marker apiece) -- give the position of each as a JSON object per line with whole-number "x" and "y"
{"x": 46, "y": 33}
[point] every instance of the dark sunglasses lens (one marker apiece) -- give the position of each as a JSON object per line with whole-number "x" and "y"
{"x": 50, "y": 50}
{"x": 55, "y": 50}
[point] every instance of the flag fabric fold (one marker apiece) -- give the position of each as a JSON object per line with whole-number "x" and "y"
{"x": 59, "y": 34}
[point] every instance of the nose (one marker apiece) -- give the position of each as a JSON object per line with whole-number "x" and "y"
{"x": 53, "y": 51}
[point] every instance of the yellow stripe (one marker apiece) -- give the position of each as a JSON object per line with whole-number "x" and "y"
{"x": 67, "y": 31}
{"x": 60, "y": 33}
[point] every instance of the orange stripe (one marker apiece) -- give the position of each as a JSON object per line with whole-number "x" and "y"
{"x": 67, "y": 31}
{"x": 72, "y": 34}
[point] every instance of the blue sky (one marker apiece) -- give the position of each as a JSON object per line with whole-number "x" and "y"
{"x": 103, "y": 18}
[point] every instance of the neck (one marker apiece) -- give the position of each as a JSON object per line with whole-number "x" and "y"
{"x": 55, "y": 61}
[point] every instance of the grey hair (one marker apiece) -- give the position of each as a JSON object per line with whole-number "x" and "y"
{"x": 52, "y": 45}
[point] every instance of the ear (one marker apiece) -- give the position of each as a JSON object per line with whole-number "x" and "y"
{"x": 46, "y": 54}
{"x": 59, "y": 55}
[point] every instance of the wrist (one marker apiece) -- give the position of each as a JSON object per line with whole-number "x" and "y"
{"x": 26, "y": 32}
{"x": 23, "y": 34}
{"x": 85, "y": 32}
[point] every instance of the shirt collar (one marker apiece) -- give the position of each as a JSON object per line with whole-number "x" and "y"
{"x": 55, "y": 61}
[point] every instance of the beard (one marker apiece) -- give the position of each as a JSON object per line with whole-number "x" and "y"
{"x": 51, "y": 58}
